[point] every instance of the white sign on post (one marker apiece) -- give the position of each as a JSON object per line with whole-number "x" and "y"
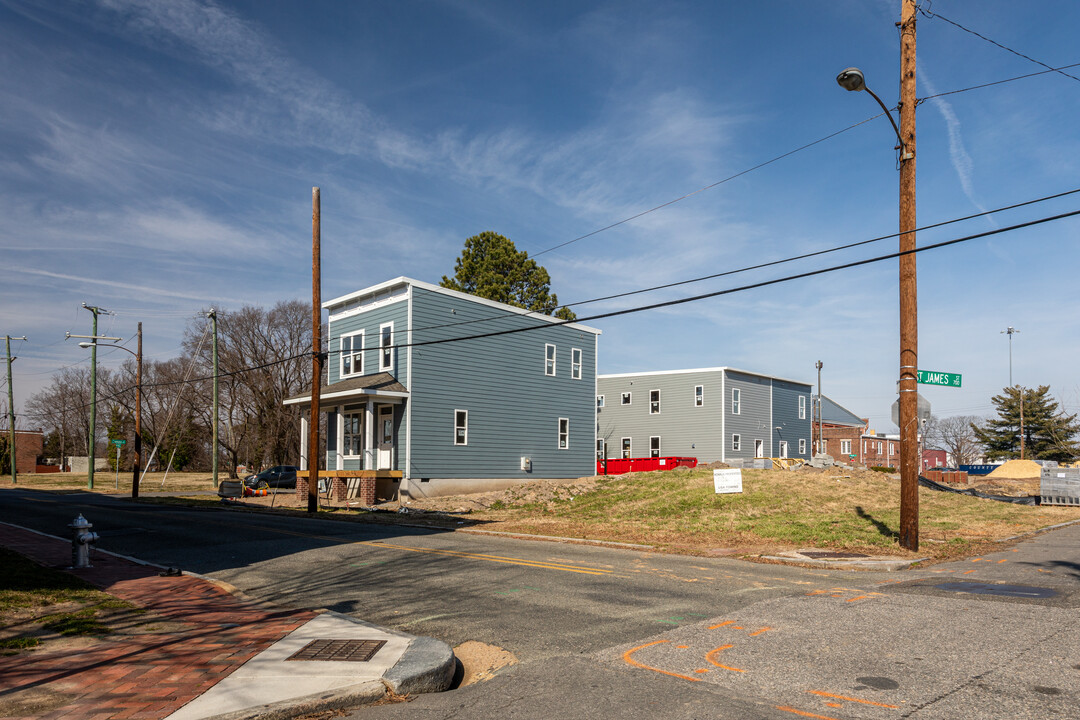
{"x": 727, "y": 481}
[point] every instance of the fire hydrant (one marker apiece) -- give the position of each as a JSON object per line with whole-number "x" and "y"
{"x": 81, "y": 537}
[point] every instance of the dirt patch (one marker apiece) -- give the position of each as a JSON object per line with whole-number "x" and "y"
{"x": 1017, "y": 470}
{"x": 481, "y": 661}
{"x": 33, "y": 702}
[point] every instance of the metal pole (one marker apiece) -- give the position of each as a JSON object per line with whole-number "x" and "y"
{"x": 214, "y": 438}
{"x": 1021, "y": 422}
{"x": 93, "y": 399}
{"x": 909, "y": 324}
{"x": 821, "y": 431}
{"x": 11, "y": 412}
{"x": 138, "y": 420}
{"x": 316, "y": 349}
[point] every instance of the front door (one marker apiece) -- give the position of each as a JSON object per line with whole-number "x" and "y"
{"x": 386, "y": 437}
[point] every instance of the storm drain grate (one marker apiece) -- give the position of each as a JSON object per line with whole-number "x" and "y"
{"x": 339, "y": 650}
{"x": 820, "y": 554}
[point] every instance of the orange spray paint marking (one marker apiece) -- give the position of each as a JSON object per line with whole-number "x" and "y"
{"x": 804, "y": 713}
{"x": 851, "y": 699}
{"x": 630, "y": 661}
{"x": 726, "y": 622}
{"x": 711, "y": 657}
{"x": 968, "y": 572}
{"x": 758, "y": 632}
{"x": 836, "y": 705}
{"x": 1001, "y": 561}
{"x": 682, "y": 647}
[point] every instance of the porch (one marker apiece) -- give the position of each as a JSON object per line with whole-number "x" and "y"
{"x": 347, "y": 484}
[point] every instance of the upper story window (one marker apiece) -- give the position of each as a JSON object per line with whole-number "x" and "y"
{"x": 549, "y": 359}
{"x": 802, "y": 407}
{"x": 575, "y": 363}
{"x": 352, "y": 354}
{"x": 736, "y": 401}
{"x": 626, "y": 398}
{"x": 386, "y": 346}
{"x": 654, "y": 402}
{"x": 699, "y": 395}
{"x": 461, "y": 427}
{"x": 599, "y": 401}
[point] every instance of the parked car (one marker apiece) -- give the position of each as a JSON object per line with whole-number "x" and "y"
{"x": 280, "y": 476}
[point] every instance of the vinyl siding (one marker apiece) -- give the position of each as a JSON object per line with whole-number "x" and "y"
{"x": 514, "y": 408}
{"x": 785, "y": 415}
{"x": 369, "y": 321}
{"x": 753, "y": 422}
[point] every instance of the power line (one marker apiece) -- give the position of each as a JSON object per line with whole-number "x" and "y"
{"x": 933, "y": 15}
{"x": 998, "y": 82}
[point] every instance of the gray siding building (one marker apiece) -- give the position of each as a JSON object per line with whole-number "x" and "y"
{"x": 713, "y": 414}
{"x": 453, "y": 392}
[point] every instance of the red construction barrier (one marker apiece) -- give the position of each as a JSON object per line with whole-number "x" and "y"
{"x": 618, "y": 466}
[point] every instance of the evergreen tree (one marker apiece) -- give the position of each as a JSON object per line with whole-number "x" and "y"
{"x": 1048, "y": 431}
{"x": 491, "y": 267}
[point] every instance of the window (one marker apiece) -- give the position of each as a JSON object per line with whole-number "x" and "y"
{"x": 575, "y": 364}
{"x": 654, "y": 402}
{"x": 599, "y": 401}
{"x": 802, "y": 446}
{"x": 783, "y": 448}
{"x": 352, "y": 354}
{"x": 564, "y": 433}
{"x": 386, "y": 346}
{"x": 461, "y": 427}
{"x": 802, "y": 407}
{"x": 759, "y": 448}
{"x": 892, "y": 449}
{"x": 699, "y": 395}
{"x": 736, "y": 442}
{"x": 654, "y": 446}
{"x": 825, "y": 447}
{"x": 549, "y": 359}
{"x": 626, "y": 448}
{"x": 845, "y": 447}
{"x": 879, "y": 447}
{"x": 736, "y": 400}
{"x": 600, "y": 449}
{"x": 626, "y": 398}
{"x": 353, "y": 436}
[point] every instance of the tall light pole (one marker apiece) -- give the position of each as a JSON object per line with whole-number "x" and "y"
{"x": 1010, "y": 331}
{"x": 852, "y": 79}
{"x": 11, "y": 409}
{"x": 93, "y": 345}
{"x": 820, "y": 427}
{"x": 95, "y": 311}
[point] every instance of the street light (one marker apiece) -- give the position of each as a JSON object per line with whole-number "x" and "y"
{"x": 138, "y": 405}
{"x": 853, "y": 79}
{"x": 1010, "y": 331}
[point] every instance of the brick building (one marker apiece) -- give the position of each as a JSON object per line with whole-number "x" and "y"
{"x": 29, "y": 444}
{"x": 840, "y": 430}
{"x": 880, "y": 450}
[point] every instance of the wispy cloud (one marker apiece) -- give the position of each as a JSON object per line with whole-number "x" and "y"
{"x": 958, "y": 154}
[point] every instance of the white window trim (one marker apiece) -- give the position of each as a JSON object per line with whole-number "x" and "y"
{"x": 599, "y": 401}
{"x": 736, "y": 442}
{"x": 736, "y": 401}
{"x": 627, "y": 443}
{"x": 575, "y": 365}
{"x": 627, "y": 398}
{"x": 385, "y": 364}
{"x": 802, "y": 446}
{"x": 802, "y": 407}
{"x": 345, "y": 414}
{"x": 658, "y": 446}
{"x": 758, "y": 442}
{"x": 699, "y": 393}
{"x": 657, "y": 411}
{"x": 842, "y": 444}
{"x": 354, "y": 354}
{"x": 456, "y": 443}
{"x": 783, "y": 448}
{"x": 559, "y": 444}
{"x": 554, "y": 359}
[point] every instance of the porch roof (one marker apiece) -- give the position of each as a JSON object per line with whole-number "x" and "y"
{"x": 380, "y": 384}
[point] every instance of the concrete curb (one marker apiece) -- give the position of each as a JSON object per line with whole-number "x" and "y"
{"x": 359, "y": 694}
{"x": 428, "y": 665}
{"x": 856, "y": 564}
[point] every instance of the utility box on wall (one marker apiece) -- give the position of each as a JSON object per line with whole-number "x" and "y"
{"x": 526, "y": 464}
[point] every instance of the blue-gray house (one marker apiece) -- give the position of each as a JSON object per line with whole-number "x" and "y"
{"x": 454, "y": 393}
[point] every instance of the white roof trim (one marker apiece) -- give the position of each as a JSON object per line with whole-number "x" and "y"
{"x": 453, "y": 293}
{"x": 701, "y": 370}
{"x": 347, "y": 393}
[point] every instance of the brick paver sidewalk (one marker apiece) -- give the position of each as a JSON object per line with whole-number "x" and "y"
{"x": 148, "y": 676}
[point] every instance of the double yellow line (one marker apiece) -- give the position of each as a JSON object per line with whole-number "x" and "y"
{"x": 494, "y": 558}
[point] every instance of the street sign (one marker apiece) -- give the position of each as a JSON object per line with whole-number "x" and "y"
{"x": 923, "y": 411}
{"x": 930, "y": 377}
{"x": 119, "y": 442}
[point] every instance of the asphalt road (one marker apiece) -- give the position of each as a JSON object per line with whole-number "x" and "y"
{"x": 602, "y": 632}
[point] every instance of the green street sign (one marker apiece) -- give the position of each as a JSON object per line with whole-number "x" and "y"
{"x": 929, "y": 377}
{"x": 118, "y": 443}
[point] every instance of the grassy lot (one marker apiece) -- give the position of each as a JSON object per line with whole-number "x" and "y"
{"x": 41, "y": 608}
{"x": 105, "y": 481}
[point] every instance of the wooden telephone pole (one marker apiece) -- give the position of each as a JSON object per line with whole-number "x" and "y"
{"x": 316, "y": 349}
{"x": 909, "y": 318}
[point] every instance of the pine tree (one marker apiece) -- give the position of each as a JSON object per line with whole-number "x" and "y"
{"x": 1048, "y": 432}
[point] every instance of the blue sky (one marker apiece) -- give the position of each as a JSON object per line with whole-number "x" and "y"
{"x": 157, "y": 159}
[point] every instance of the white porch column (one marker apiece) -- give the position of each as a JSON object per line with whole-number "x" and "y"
{"x": 339, "y": 460}
{"x": 303, "y": 442}
{"x": 369, "y": 436}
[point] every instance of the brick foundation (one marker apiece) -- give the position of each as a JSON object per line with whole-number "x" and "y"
{"x": 362, "y": 488}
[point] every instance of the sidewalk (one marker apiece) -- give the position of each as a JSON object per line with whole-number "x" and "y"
{"x": 223, "y": 656}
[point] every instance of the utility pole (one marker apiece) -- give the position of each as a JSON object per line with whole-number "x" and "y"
{"x": 1010, "y": 331}
{"x": 136, "y": 466}
{"x": 909, "y": 322}
{"x": 316, "y": 350}
{"x": 93, "y": 393}
{"x": 1021, "y": 422}
{"x": 214, "y": 438}
{"x": 821, "y": 432}
{"x": 11, "y": 409}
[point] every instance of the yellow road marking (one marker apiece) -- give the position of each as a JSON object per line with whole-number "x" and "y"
{"x": 630, "y": 661}
{"x": 492, "y": 558}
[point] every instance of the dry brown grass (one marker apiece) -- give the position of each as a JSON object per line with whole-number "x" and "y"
{"x": 107, "y": 482}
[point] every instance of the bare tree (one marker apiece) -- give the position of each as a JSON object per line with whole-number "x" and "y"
{"x": 63, "y": 406}
{"x": 955, "y": 436}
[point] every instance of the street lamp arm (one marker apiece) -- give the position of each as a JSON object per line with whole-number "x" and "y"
{"x": 888, "y": 115}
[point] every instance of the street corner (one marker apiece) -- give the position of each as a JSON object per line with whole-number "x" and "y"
{"x": 840, "y": 560}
